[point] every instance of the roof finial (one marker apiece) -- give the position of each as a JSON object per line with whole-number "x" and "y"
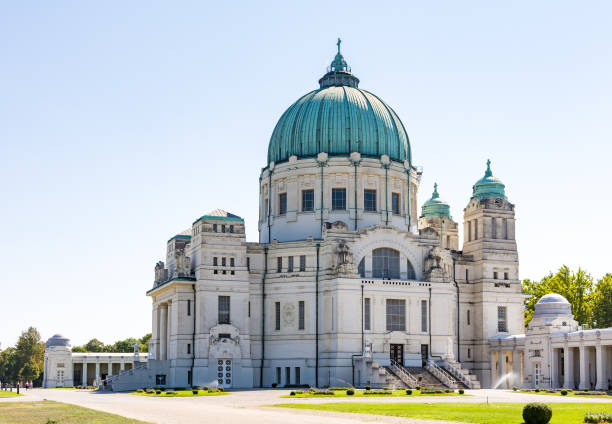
{"x": 488, "y": 172}
{"x": 338, "y": 44}
{"x": 435, "y": 194}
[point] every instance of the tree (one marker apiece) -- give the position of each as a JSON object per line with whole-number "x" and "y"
{"x": 30, "y": 371}
{"x": 8, "y": 365}
{"x": 95, "y": 345}
{"x": 30, "y": 350}
{"x": 575, "y": 287}
{"x": 125, "y": 346}
{"x": 144, "y": 342}
{"x": 602, "y": 303}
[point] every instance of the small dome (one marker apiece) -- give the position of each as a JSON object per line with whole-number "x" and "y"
{"x": 58, "y": 341}
{"x": 489, "y": 186}
{"x": 553, "y": 298}
{"x": 552, "y": 305}
{"x": 435, "y": 206}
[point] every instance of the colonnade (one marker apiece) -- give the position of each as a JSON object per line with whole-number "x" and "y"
{"x": 104, "y": 365}
{"x": 162, "y": 336}
{"x": 583, "y": 366}
{"x": 507, "y": 369}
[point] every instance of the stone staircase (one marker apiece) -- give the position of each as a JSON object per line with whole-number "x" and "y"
{"x": 461, "y": 375}
{"x": 426, "y": 379}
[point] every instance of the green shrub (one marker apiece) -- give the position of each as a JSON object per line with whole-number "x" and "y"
{"x": 322, "y": 393}
{"x": 350, "y": 392}
{"x": 197, "y": 388}
{"x": 585, "y": 393}
{"x": 220, "y": 389}
{"x": 338, "y": 388}
{"x": 292, "y": 394}
{"x": 139, "y": 391}
{"x": 418, "y": 387}
{"x": 274, "y": 385}
{"x": 195, "y": 392}
{"x": 515, "y": 388}
{"x": 537, "y": 390}
{"x": 158, "y": 392}
{"x": 449, "y": 391}
{"x": 461, "y": 391}
{"x": 563, "y": 392}
{"x": 537, "y": 413}
{"x": 206, "y": 388}
{"x": 586, "y": 389}
{"x": 50, "y": 421}
{"x": 598, "y": 417}
{"x": 378, "y": 392}
{"x": 368, "y": 387}
{"x": 408, "y": 392}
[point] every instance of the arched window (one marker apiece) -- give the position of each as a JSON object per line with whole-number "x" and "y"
{"x": 410, "y": 274}
{"x": 385, "y": 263}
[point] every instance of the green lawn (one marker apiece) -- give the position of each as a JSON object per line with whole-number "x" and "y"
{"x": 9, "y": 394}
{"x": 359, "y": 393}
{"x": 55, "y": 412}
{"x": 180, "y": 393}
{"x": 482, "y": 413}
{"x": 569, "y": 394}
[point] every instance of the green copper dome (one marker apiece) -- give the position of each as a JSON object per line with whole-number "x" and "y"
{"x": 339, "y": 118}
{"x": 435, "y": 206}
{"x": 489, "y": 186}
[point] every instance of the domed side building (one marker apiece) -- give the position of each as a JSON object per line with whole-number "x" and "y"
{"x": 349, "y": 283}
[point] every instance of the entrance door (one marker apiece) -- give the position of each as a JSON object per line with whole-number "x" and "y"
{"x": 397, "y": 353}
{"x": 224, "y": 372}
{"x": 424, "y": 354}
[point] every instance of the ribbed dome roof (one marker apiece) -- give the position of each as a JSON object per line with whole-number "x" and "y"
{"x": 58, "y": 340}
{"x": 489, "y": 186}
{"x": 435, "y": 206}
{"x": 339, "y": 118}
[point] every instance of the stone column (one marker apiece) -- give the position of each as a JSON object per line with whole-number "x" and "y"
{"x": 583, "y": 368}
{"x": 84, "y": 376}
{"x": 554, "y": 368}
{"x": 492, "y": 364}
{"x": 97, "y": 373}
{"x": 163, "y": 331}
{"x": 110, "y": 369}
{"x": 599, "y": 362}
{"x": 122, "y": 366}
{"x": 568, "y": 367}
{"x": 517, "y": 378}
{"x": 169, "y": 330}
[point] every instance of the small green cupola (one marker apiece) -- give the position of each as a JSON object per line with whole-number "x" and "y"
{"x": 435, "y": 206}
{"x": 339, "y": 73}
{"x": 489, "y": 186}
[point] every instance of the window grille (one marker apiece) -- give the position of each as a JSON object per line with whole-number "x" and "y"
{"x": 366, "y": 313}
{"x": 396, "y": 315}
{"x": 424, "y": 316}
{"x": 369, "y": 200}
{"x": 290, "y": 264}
{"x": 301, "y": 315}
{"x": 277, "y": 315}
{"x": 303, "y": 263}
{"x": 307, "y": 200}
{"x": 279, "y": 264}
{"x": 282, "y": 203}
{"x": 224, "y": 309}
{"x": 385, "y": 263}
{"x": 501, "y": 319}
{"x": 395, "y": 203}
{"x": 338, "y": 199}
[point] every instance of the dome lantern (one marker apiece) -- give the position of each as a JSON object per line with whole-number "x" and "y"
{"x": 489, "y": 186}
{"x": 339, "y": 73}
{"x": 435, "y": 207}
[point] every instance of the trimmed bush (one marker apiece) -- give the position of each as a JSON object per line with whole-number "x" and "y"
{"x": 408, "y": 392}
{"x": 197, "y": 388}
{"x": 274, "y": 385}
{"x": 515, "y": 388}
{"x": 350, "y": 392}
{"x": 338, "y": 388}
{"x": 378, "y": 392}
{"x": 563, "y": 392}
{"x": 537, "y": 413}
{"x": 537, "y": 390}
{"x": 368, "y": 387}
{"x": 418, "y": 387}
{"x": 139, "y": 391}
{"x": 449, "y": 391}
{"x": 322, "y": 393}
{"x": 461, "y": 391}
{"x": 220, "y": 389}
{"x": 158, "y": 392}
{"x": 206, "y": 388}
{"x": 195, "y": 392}
{"x": 586, "y": 389}
{"x": 292, "y": 394}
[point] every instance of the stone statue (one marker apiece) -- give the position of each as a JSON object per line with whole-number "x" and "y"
{"x": 345, "y": 265}
{"x": 367, "y": 348}
{"x": 449, "y": 349}
{"x": 151, "y": 350}
{"x": 136, "y": 348}
{"x": 182, "y": 263}
{"x": 438, "y": 265}
{"x": 161, "y": 273}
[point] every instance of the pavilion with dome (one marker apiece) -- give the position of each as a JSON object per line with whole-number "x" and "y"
{"x": 350, "y": 283}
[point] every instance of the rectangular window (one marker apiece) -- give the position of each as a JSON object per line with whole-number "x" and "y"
{"x": 248, "y": 263}
{"x": 279, "y": 264}
{"x": 223, "y": 261}
{"x": 493, "y": 228}
{"x": 469, "y": 352}
{"x": 215, "y": 228}
{"x": 287, "y": 376}
{"x": 215, "y": 261}
{"x": 424, "y": 316}
{"x": 338, "y": 199}
{"x": 395, "y": 203}
{"x": 301, "y": 315}
{"x": 224, "y": 309}
{"x": 307, "y": 200}
{"x": 231, "y": 228}
{"x": 475, "y": 229}
{"x": 501, "y": 319}
{"x": 223, "y": 228}
{"x": 366, "y": 313}
{"x": 505, "y": 229}
{"x": 160, "y": 380}
{"x": 469, "y": 231}
{"x": 467, "y": 275}
{"x": 396, "y": 315}
{"x": 278, "y": 375}
{"x": 231, "y": 261}
{"x": 290, "y": 264}
{"x": 249, "y": 311}
{"x": 188, "y": 307}
{"x": 266, "y": 208}
{"x": 506, "y": 276}
{"x": 303, "y": 263}
{"x": 188, "y": 348}
{"x": 468, "y": 317}
{"x": 277, "y": 315}
{"x": 495, "y": 275}
{"x": 297, "y": 376}
{"x": 369, "y": 200}
{"x": 282, "y": 203}
{"x": 189, "y": 378}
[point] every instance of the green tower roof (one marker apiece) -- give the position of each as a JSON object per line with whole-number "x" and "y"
{"x": 435, "y": 206}
{"x": 339, "y": 118}
{"x": 488, "y": 186}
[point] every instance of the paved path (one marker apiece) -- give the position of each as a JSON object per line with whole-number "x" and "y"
{"x": 249, "y": 406}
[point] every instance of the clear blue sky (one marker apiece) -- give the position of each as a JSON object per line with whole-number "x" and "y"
{"x": 121, "y": 122}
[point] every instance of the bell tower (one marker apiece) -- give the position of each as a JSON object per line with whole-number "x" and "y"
{"x": 435, "y": 213}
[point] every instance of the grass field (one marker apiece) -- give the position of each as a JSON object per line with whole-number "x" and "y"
{"x": 56, "y": 413}
{"x": 481, "y": 413}
{"x": 569, "y": 394}
{"x": 181, "y": 393}
{"x": 9, "y": 394}
{"x": 359, "y": 393}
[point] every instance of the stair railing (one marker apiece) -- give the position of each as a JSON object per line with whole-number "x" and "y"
{"x": 457, "y": 374}
{"x": 441, "y": 375}
{"x": 403, "y": 374}
{"x": 111, "y": 378}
